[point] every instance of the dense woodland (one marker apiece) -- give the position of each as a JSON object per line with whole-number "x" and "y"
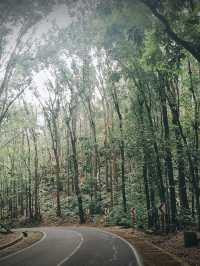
{"x": 102, "y": 113}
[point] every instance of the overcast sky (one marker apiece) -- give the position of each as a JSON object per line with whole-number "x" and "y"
{"x": 61, "y": 17}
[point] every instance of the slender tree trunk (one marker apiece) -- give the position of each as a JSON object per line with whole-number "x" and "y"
{"x": 76, "y": 176}
{"x": 181, "y": 168}
{"x": 179, "y": 150}
{"x": 122, "y": 167}
{"x": 168, "y": 158}
{"x": 58, "y": 207}
{"x": 147, "y": 173}
{"x": 196, "y": 143}
{"x": 146, "y": 186}
{"x": 111, "y": 184}
{"x": 122, "y": 152}
{"x": 157, "y": 156}
{"x": 36, "y": 177}
{"x": 29, "y": 178}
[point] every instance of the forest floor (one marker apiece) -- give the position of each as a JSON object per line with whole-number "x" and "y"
{"x": 24, "y": 243}
{"x": 175, "y": 245}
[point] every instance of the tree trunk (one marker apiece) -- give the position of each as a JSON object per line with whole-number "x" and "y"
{"x": 122, "y": 153}
{"x": 146, "y": 186}
{"x": 36, "y": 177}
{"x": 76, "y": 176}
{"x": 168, "y": 158}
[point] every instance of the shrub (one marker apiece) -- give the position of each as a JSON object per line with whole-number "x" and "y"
{"x": 118, "y": 217}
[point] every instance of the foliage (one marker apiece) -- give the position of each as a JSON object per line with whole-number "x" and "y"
{"x": 118, "y": 217}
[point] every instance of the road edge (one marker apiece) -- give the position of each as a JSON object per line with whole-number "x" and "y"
{"x": 19, "y": 238}
{"x": 131, "y": 246}
{"x": 22, "y": 250}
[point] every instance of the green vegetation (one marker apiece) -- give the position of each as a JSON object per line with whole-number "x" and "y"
{"x": 101, "y": 115}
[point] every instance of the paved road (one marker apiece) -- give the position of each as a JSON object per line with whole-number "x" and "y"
{"x": 75, "y": 247}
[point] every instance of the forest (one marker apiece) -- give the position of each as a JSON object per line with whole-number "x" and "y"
{"x": 100, "y": 113}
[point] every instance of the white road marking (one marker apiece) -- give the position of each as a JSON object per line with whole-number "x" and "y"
{"x": 75, "y": 250}
{"x": 138, "y": 258}
{"x": 22, "y": 250}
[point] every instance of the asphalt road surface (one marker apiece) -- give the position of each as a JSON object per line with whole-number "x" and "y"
{"x": 75, "y": 247}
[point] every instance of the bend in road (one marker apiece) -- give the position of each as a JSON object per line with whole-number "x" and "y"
{"x": 75, "y": 247}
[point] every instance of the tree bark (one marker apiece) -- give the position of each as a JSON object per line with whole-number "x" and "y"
{"x": 168, "y": 157}
{"x": 122, "y": 152}
{"x": 76, "y": 174}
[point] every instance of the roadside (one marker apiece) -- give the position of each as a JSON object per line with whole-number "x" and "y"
{"x": 175, "y": 245}
{"x": 6, "y": 239}
{"x": 160, "y": 250}
{"x": 31, "y": 238}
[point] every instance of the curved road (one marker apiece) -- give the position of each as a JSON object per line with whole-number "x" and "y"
{"x": 75, "y": 247}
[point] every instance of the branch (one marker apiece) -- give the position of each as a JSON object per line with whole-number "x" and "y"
{"x": 4, "y": 113}
{"x": 190, "y": 47}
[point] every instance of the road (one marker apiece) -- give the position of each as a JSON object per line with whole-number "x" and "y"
{"x": 75, "y": 247}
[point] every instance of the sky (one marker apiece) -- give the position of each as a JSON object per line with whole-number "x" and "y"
{"x": 60, "y": 17}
